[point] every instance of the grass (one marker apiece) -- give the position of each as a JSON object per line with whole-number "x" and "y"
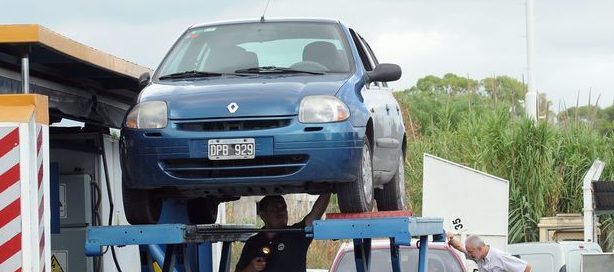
{"x": 544, "y": 162}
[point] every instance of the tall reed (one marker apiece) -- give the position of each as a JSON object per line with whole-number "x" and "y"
{"x": 544, "y": 162}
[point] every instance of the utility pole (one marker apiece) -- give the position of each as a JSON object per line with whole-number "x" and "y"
{"x": 530, "y": 100}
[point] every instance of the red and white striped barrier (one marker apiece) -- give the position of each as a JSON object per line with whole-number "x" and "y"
{"x": 24, "y": 184}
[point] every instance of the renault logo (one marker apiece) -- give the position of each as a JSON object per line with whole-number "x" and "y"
{"x": 232, "y": 107}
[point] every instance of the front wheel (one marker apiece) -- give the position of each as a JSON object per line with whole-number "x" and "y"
{"x": 392, "y": 196}
{"x": 357, "y": 196}
{"x": 141, "y": 206}
{"x": 202, "y": 210}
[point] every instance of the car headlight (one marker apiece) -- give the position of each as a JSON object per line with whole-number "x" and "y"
{"x": 150, "y": 114}
{"x": 322, "y": 109}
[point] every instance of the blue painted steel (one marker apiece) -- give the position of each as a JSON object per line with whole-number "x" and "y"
{"x": 422, "y": 252}
{"x": 398, "y": 229}
{"x": 401, "y": 228}
{"x": 440, "y": 237}
{"x": 132, "y": 235}
{"x": 362, "y": 254}
{"x": 156, "y": 253}
{"x": 205, "y": 257}
{"x": 175, "y": 211}
{"x": 395, "y": 261}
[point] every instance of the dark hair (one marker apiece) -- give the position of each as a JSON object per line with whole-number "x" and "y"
{"x": 267, "y": 200}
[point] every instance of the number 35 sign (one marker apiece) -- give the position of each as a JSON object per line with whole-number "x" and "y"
{"x": 469, "y": 201}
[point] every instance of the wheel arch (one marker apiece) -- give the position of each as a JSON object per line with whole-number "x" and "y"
{"x": 370, "y": 134}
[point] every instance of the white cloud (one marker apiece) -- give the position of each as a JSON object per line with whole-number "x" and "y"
{"x": 574, "y": 43}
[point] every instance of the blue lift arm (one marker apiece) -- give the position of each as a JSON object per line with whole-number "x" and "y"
{"x": 398, "y": 229}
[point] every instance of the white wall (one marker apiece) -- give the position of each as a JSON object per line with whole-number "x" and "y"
{"x": 470, "y": 201}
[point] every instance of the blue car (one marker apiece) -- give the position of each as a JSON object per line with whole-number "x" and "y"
{"x": 264, "y": 107}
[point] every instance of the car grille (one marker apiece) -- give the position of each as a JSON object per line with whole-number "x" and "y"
{"x": 233, "y": 124}
{"x": 258, "y": 167}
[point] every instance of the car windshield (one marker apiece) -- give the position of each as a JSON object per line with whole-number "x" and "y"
{"x": 309, "y": 48}
{"x": 439, "y": 261}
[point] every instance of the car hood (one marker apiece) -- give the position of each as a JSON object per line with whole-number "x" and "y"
{"x": 255, "y": 96}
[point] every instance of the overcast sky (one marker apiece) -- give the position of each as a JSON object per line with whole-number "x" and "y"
{"x": 574, "y": 40}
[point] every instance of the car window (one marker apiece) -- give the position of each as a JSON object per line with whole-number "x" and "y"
{"x": 311, "y": 46}
{"x": 371, "y": 56}
{"x": 366, "y": 62}
{"x": 439, "y": 261}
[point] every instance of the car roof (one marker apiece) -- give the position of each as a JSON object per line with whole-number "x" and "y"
{"x": 276, "y": 20}
{"x": 385, "y": 243}
{"x": 348, "y": 247}
{"x": 518, "y": 248}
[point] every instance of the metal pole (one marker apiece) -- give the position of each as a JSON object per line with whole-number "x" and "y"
{"x": 530, "y": 101}
{"x": 25, "y": 74}
{"x": 422, "y": 253}
{"x": 394, "y": 256}
{"x": 205, "y": 258}
{"x": 589, "y": 216}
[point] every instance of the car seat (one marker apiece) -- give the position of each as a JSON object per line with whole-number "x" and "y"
{"x": 324, "y": 53}
{"x": 229, "y": 58}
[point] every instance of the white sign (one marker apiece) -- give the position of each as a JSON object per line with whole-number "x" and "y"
{"x": 63, "y": 210}
{"x": 470, "y": 201}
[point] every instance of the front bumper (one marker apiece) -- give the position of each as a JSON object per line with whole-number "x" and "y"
{"x": 289, "y": 159}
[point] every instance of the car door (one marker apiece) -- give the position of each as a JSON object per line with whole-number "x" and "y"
{"x": 377, "y": 103}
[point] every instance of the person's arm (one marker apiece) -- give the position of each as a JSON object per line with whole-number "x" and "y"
{"x": 318, "y": 209}
{"x": 455, "y": 243}
{"x": 515, "y": 264}
{"x": 248, "y": 261}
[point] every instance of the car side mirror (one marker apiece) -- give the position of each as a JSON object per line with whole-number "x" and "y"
{"x": 385, "y": 72}
{"x": 144, "y": 80}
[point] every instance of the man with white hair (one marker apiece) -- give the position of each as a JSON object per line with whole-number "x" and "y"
{"x": 489, "y": 259}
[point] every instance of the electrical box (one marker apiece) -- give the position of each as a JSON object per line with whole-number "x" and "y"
{"x": 75, "y": 200}
{"x": 67, "y": 251}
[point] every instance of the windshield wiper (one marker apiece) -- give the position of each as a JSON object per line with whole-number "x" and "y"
{"x": 275, "y": 70}
{"x": 197, "y": 74}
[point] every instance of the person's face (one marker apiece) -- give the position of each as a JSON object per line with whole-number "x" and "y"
{"x": 475, "y": 252}
{"x": 275, "y": 215}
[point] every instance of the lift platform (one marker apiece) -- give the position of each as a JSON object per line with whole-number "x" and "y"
{"x": 181, "y": 247}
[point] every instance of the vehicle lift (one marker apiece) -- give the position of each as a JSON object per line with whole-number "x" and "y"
{"x": 183, "y": 247}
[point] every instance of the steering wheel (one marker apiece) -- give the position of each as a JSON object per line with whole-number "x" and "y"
{"x": 310, "y": 66}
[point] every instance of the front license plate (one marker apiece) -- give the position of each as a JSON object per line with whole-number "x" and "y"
{"x": 232, "y": 149}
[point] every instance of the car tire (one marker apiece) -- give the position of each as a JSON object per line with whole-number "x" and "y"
{"x": 392, "y": 196}
{"x": 202, "y": 210}
{"x": 357, "y": 196}
{"x": 141, "y": 206}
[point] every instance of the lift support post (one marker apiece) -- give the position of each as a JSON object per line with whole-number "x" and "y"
{"x": 361, "y": 230}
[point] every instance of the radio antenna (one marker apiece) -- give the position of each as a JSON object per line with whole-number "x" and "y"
{"x": 264, "y": 12}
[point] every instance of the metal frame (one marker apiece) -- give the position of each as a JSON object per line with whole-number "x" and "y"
{"x": 176, "y": 236}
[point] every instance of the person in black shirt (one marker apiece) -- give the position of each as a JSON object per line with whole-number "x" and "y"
{"x": 283, "y": 251}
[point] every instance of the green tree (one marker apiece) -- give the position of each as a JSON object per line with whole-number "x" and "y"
{"x": 450, "y": 84}
{"x": 586, "y": 114}
{"x": 504, "y": 88}
{"x": 543, "y": 108}
{"x": 606, "y": 123}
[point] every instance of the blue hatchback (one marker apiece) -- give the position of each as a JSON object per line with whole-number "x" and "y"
{"x": 264, "y": 107}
